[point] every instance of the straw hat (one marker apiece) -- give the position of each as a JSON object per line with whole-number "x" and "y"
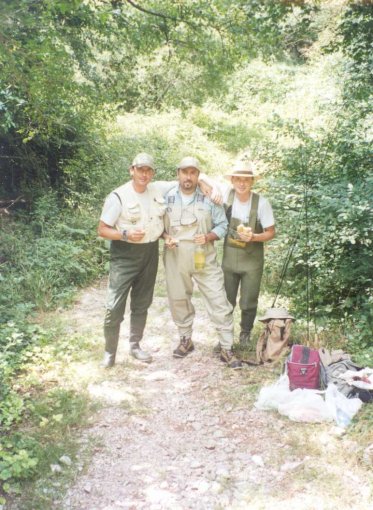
{"x": 276, "y": 313}
{"x": 242, "y": 169}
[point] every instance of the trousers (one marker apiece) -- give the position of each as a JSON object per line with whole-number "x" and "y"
{"x": 180, "y": 276}
{"x": 133, "y": 268}
{"x": 244, "y": 270}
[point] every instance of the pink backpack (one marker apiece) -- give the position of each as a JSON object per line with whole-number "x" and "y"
{"x": 304, "y": 368}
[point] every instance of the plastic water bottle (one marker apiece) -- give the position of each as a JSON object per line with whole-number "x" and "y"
{"x": 199, "y": 258}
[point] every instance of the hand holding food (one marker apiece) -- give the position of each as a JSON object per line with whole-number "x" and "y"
{"x": 245, "y": 233}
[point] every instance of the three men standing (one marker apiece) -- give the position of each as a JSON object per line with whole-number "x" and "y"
{"x": 137, "y": 213}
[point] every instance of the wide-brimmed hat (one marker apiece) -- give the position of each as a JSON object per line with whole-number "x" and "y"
{"x": 189, "y": 161}
{"x": 276, "y": 313}
{"x": 242, "y": 169}
{"x": 144, "y": 159}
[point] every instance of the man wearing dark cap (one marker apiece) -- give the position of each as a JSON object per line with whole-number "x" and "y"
{"x": 132, "y": 219}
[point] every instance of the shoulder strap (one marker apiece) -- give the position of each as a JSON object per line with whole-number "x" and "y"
{"x": 228, "y": 205}
{"x": 120, "y": 200}
{"x": 253, "y": 210}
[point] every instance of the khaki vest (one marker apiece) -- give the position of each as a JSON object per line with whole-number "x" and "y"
{"x": 183, "y": 222}
{"x": 134, "y": 216}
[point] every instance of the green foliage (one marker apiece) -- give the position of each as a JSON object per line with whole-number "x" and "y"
{"x": 45, "y": 261}
{"x": 51, "y": 414}
{"x": 287, "y": 82}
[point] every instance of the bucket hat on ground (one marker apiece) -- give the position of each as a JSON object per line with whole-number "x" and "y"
{"x": 276, "y": 313}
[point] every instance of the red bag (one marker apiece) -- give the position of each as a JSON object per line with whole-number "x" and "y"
{"x": 303, "y": 368}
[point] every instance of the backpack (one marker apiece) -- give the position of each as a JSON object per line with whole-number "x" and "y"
{"x": 305, "y": 369}
{"x": 273, "y": 339}
{"x": 334, "y": 370}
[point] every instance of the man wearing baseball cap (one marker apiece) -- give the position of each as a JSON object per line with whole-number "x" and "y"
{"x": 132, "y": 219}
{"x": 193, "y": 221}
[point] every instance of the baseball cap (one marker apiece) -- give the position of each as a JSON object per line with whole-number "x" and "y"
{"x": 144, "y": 159}
{"x": 189, "y": 161}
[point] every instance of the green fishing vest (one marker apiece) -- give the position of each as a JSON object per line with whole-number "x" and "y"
{"x": 255, "y": 249}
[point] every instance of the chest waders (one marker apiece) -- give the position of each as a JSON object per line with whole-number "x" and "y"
{"x": 181, "y": 272}
{"x": 243, "y": 266}
{"x": 133, "y": 267}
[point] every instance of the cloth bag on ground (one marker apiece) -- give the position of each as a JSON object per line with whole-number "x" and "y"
{"x": 275, "y": 337}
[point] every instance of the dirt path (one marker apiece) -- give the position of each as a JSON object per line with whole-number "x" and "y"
{"x": 183, "y": 434}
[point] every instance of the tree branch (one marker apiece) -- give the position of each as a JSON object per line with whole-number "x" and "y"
{"x": 160, "y": 14}
{"x": 153, "y": 13}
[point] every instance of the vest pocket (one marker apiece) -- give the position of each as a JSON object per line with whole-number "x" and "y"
{"x": 159, "y": 207}
{"x": 133, "y": 212}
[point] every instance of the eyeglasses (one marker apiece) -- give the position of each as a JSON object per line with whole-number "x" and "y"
{"x": 187, "y": 218}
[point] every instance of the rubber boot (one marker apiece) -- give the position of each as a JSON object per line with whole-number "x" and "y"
{"x": 137, "y": 327}
{"x": 137, "y": 353}
{"x": 245, "y": 338}
{"x": 109, "y": 360}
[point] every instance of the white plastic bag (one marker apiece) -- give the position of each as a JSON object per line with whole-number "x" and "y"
{"x": 342, "y": 409}
{"x": 306, "y": 405}
{"x": 298, "y": 405}
{"x": 271, "y": 396}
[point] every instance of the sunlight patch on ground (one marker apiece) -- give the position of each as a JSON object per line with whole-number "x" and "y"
{"x": 111, "y": 392}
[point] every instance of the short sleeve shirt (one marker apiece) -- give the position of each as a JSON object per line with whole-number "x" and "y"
{"x": 113, "y": 207}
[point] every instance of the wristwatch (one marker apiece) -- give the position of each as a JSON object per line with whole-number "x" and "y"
{"x": 125, "y": 235}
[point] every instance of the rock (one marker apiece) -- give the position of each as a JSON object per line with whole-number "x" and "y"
{"x": 197, "y": 426}
{"x": 87, "y": 488}
{"x": 56, "y": 468}
{"x": 257, "y": 459}
{"x": 338, "y": 431}
{"x": 65, "y": 459}
{"x": 196, "y": 464}
{"x": 290, "y": 466}
{"x": 211, "y": 445}
{"x": 222, "y": 472}
{"x": 201, "y": 485}
{"x": 368, "y": 455}
{"x": 215, "y": 488}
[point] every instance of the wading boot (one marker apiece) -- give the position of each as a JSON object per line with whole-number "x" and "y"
{"x": 137, "y": 353}
{"x": 216, "y": 349}
{"x": 185, "y": 347}
{"x": 230, "y": 359}
{"x": 108, "y": 361}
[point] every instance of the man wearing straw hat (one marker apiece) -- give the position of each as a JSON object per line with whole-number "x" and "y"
{"x": 251, "y": 224}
